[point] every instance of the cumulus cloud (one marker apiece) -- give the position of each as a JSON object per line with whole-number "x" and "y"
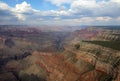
{"x": 6, "y": 14}
{"x": 94, "y": 8}
{"x": 103, "y": 18}
{"x": 116, "y": 1}
{"x": 80, "y": 12}
{"x": 23, "y": 7}
{"x": 4, "y": 6}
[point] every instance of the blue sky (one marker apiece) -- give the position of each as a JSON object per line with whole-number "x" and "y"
{"x": 60, "y": 12}
{"x": 38, "y": 4}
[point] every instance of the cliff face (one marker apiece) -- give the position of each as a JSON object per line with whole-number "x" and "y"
{"x": 53, "y": 56}
{"x": 70, "y": 65}
{"x": 94, "y": 33}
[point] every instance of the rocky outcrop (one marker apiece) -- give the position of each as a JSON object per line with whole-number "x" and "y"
{"x": 7, "y": 77}
{"x": 9, "y": 42}
{"x": 3, "y": 61}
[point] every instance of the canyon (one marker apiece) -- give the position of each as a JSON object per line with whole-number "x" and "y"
{"x": 33, "y": 54}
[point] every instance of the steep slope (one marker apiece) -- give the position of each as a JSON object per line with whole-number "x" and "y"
{"x": 61, "y": 56}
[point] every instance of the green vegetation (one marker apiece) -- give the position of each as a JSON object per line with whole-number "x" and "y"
{"x": 74, "y": 60}
{"x": 26, "y": 77}
{"x": 96, "y": 51}
{"x": 105, "y": 78}
{"x": 110, "y": 44}
{"x": 68, "y": 54}
{"x": 77, "y": 46}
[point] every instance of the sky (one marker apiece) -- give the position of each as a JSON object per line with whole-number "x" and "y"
{"x": 60, "y": 12}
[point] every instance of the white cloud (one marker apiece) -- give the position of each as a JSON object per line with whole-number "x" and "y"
{"x": 93, "y": 8}
{"x": 81, "y": 12}
{"x": 20, "y": 16}
{"x": 16, "y": 12}
{"x": 4, "y": 6}
{"x": 23, "y": 7}
{"x": 116, "y": 1}
{"x": 118, "y": 18}
{"x": 103, "y": 18}
{"x": 84, "y": 3}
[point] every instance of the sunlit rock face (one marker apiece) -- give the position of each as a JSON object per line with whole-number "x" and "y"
{"x": 82, "y": 55}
